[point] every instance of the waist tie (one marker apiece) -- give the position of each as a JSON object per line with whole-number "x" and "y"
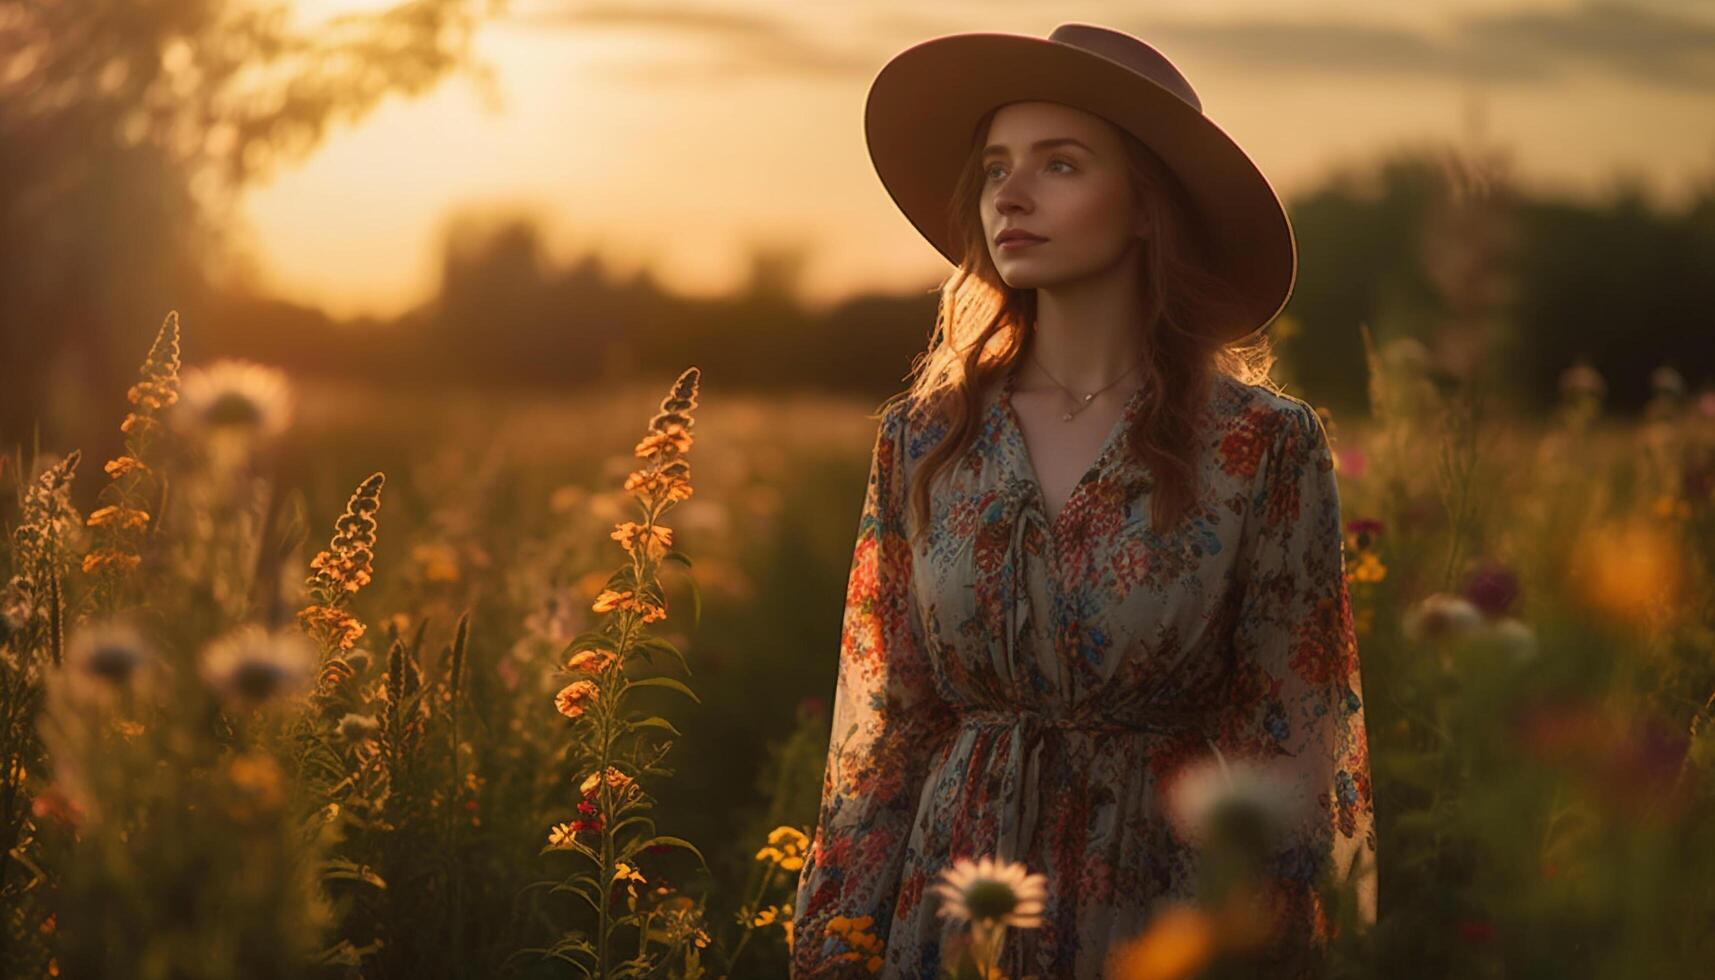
{"x": 1016, "y": 836}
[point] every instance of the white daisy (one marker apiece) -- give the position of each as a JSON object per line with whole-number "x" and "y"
{"x": 235, "y": 395}
{"x": 1441, "y": 617}
{"x": 105, "y": 657}
{"x": 251, "y": 665}
{"x": 1213, "y": 795}
{"x": 991, "y": 891}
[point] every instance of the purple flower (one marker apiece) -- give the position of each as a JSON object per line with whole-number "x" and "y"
{"x": 1491, "y": 587}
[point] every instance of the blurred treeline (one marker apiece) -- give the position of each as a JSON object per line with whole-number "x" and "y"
{"x": 127, "y": 127}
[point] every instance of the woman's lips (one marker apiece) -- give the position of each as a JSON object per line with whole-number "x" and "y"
{"x": 1016, "y": 243}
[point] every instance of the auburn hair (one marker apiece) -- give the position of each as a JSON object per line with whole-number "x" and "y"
{"x": 982, "y": 326}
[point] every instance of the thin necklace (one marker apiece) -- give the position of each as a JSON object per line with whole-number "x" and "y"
{"x": 1079, "y": 404}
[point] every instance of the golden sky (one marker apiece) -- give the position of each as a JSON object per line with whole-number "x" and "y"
{"x": 676, "y": 134}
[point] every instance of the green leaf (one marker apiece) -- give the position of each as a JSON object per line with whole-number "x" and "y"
{"x": 666, "y": 682}
{"x": 678, "y": 556}
{"x": 653, "y": 644}
{"x": 654, "y": 721}
{"x": 664, "y": 840}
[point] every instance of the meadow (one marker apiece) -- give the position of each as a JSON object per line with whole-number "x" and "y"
{"x": 318, "y": 679}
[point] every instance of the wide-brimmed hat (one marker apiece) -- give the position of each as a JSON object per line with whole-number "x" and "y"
{"x": 923, "y": 107}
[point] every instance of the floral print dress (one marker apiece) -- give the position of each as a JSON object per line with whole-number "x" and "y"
{"x": 1024, "y": 687}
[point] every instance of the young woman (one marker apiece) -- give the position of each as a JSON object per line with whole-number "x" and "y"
{"x": 1096, "y": 546}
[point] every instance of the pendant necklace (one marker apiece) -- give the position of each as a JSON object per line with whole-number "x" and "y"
{"x": 1079, "y": 404}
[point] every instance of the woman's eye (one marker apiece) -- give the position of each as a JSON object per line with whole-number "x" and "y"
{"x": 989, "y": 172}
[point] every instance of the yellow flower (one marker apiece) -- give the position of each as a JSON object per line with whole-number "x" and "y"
{"x": 1368, "y": 568}
{"x": 615, "y": 778}
{"x": 575, "y": 698}
{"x": 133, "y": 422}
{"x": 561, "y": 835}
{"x": 785, "y": 847}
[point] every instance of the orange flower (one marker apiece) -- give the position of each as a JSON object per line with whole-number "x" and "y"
{"x": 125, "y": 517}
{"x": 610, "y": 600}
{"x": 590, "y": 661}
{"x": 659, "y": 537}
{"x": 117, "y": 468}
{"x": 109, "y": 559}
{"x": 575, "y": 698}
{"x": 1177, "y": 944}
{"x": 675, "y": 438}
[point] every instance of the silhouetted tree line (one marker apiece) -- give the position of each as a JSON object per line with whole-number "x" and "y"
{"x": 1620, "y": 283}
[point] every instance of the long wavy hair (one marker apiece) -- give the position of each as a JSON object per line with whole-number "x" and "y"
{"x": 982, "y": 326}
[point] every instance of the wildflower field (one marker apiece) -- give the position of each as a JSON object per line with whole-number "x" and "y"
{"x": 324, "y": 681}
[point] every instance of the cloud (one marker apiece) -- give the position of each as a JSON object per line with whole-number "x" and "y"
{"x": 1652, "y": 42}
{"x": 1647, "y": 43}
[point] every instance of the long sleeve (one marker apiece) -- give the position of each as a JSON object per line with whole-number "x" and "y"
{"x": 888, "y": 720}
{"x": 1297, "y": 702}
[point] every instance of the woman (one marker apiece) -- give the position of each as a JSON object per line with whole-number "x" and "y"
{"x": 1095, "y": 547}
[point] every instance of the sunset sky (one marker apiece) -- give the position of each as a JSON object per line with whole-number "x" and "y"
{"x": 677, "y": 133}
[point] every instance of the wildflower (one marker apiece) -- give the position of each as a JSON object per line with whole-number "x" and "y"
{"x": 235, "y": 396}
{"x": 47, "y": 518}
{"x": 251, "y": 666}
{"x": 590, "y": 661}
{"x": 1665, "y": 382}
{"x": 786, "y": 846}
{"x": 658, "y": 538}
{"x": 343, "y": 568}
{"x": 1239, "y": 800}
{"x": 1361, "y": 538}
{"x": 615, "y": 779}
{"x": 254, "y": 786}
{"x": 1440, "y": 616}
{"x": 438, "y": 562}
{"x": 1582, "y": 382}
{"x": 993, "y": 891}
{"x": 336, "y": 628}
{"x": 611, "y": 599}
{"x": 673, "y": 437}
{"x": 1491, "y": 587}
{"x": 1513, "y": 636}
{"x": 122, "y": 465}
{"x": 1629, "y": 571}
{"x": 561, "y": 835}
{"x": 575, "y": 698}
{"x": 159, "y": 387}
{"x": 356, "y": 728}
{"x": 631, "y": 878}
{"x": 105, "y": 657}
{"x": 1177, "y": 944}
{"x": 126, "y": 518}
{"x": 110, "y": 560}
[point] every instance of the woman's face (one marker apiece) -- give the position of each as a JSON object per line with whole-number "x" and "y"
{"x": 1076, "y": 195}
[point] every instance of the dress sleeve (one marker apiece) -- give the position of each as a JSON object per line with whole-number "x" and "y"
{"x": 1297, "y": 704}
{"x": 888, "y": 720}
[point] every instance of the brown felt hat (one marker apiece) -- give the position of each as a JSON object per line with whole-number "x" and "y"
{"x": 923, "y": 107}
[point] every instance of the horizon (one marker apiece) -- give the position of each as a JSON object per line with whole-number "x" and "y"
{"x": 357, "y": 228}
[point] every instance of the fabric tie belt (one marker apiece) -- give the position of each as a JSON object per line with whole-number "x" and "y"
{"x": 1017, "y": 835}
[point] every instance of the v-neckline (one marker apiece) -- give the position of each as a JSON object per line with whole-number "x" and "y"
{"x": 1090, "y": 472}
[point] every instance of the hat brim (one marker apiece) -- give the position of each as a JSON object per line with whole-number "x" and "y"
{"x": 922, "y": 108}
